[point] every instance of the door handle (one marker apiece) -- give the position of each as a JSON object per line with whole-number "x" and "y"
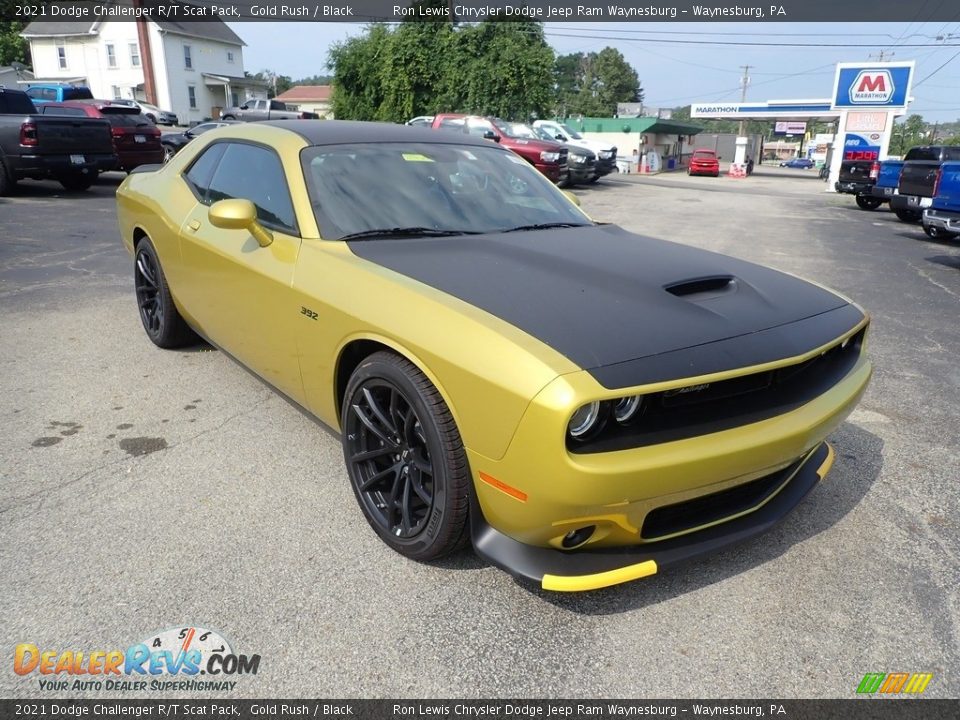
{"x": 194, "y": 225}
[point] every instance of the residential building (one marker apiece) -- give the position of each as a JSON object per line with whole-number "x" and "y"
{"x": 309, "y": 98}
{"x": 14, "y": 77}
{"x": 197, "y": 67}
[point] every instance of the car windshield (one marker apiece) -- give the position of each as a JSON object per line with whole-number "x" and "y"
{"x": 571, "y": 132}
{"x": 428, "y": 188}
{"x": 517, "y": 130}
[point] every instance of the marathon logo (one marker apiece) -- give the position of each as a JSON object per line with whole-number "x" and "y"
{"x": 872, "y": 87}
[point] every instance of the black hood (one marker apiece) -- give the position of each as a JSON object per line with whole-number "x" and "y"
{"x": 628, "y": 308}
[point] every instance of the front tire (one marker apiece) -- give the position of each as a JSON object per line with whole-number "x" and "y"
{"x": 405, "y": 458}
{"x": 865, "y": 202}
{"x": 908, "y": 216}
{"x": 158, "y": 313}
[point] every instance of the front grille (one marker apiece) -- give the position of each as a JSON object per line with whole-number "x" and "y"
{"x": 706, "y": 509}
{"x": 711, "y": 407}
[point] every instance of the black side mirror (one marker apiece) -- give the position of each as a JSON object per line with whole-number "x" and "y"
{"x": 559, "y": 137}
{"x": 491, "y": 135}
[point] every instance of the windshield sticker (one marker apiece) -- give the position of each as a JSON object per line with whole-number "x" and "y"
{"x": 416, "y": 157}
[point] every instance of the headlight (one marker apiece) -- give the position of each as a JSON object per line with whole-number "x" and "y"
{"x": 605, "y": 154}
{"x": 626, "y": 409}
{"x": 578, "y": 158}
{"x": 584, "y": 421}
{"x": 549, "y": 156}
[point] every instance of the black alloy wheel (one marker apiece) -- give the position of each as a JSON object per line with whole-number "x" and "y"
{"x": 405, "y": 458}
{"x": 161, "y": 320}
{"x": 147, "y": 278}
{"x": 168, "y": 152}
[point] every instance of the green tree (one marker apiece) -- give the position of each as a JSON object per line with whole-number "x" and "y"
{"x": 357, "y": 67}
{"x": 506, "y": 69}
{"x": 592, "y": 84}
{"x": 13, "y": 48}
{"x": 490, "y": 68}
{"x": 907, "y": 134}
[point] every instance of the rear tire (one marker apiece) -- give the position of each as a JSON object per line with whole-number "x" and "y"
{"x": 866, "y": 202}
{"x": 405, "y": 458}
{"x": 76, "y": 183}
{"x": 158, "y": 313}
{"x": 938, "y": 233}
{"x": 168, "y": 152}
{"x": 6, "y": 182}
{"x": 908, "y": 216}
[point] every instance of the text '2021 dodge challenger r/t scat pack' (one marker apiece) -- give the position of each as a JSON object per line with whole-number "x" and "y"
{"x": 589, "y": 406}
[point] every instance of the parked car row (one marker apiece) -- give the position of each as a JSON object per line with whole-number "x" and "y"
{"x": 71, "y": 141}
{"x": 559, "y": 153}
{"x": 923, "y": 187}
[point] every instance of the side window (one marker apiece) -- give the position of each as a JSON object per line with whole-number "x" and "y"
{"x": 952, "y": 153}
{"x": 477, "y": 127}
{"x": 199, "y": 174}
{"x": 254, "y": 173}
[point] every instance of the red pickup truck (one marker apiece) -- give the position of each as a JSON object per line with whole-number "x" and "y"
{"x": 549, "y": 158}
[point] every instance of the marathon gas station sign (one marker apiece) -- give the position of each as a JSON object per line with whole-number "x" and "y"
{"x": 868, "y": 97}
{"x": 885, "y": 85}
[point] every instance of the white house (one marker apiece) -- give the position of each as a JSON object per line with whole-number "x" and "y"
{"x": 197, "y": 67}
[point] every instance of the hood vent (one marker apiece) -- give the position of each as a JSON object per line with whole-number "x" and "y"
{"x": 702, "y": 288}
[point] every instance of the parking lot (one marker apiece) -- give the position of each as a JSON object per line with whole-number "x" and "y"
{"x": 145, "y": 490}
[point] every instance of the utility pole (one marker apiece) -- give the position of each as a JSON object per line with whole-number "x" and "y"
{"x": 881, "y": 55}
{"x": 743, "y": 92}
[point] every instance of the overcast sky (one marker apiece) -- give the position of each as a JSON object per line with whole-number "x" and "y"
{"x": 688, "y": 68}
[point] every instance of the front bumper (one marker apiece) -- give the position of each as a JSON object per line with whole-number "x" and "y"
{"x": 942, "y": 219}
{"x": 605, "y": 166}
{"x": 555, "y": 172}
{"x": 853, "y": 188}
{"x": 644, "y": 497}
{"x": 577, "y": 571}
{"x": 581, "y": 173}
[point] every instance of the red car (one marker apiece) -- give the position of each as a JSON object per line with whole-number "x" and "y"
{"x": 550, "y": 158}
{"x": 704, "y": 162}
{"x": 136, "y": 140}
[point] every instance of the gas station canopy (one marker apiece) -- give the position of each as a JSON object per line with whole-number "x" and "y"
{"x": 866, "y": 99}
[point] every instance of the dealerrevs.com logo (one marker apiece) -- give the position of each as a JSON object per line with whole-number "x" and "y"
{"x": 179, "y": 659}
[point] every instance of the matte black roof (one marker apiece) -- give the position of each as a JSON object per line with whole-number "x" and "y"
{"x": 335, "y": 132}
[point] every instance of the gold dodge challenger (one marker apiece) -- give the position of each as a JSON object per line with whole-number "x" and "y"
{"x": 589, "y": 406}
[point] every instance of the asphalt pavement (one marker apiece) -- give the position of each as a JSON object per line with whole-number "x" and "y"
{"x": 142, "y": 490}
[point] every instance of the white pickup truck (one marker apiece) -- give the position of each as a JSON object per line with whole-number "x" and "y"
{"x": 606, "y": 154}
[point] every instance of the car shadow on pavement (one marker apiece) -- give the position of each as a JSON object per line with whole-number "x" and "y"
{"x": 858, "y": 464}
{"x": 950, "y": 261}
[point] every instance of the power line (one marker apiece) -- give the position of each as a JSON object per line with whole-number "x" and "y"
{"x": 738, "y": 43}
{"x": 952, "y": 58}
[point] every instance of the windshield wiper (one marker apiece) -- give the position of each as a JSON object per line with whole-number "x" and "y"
{"x": 412, "y": 232}
{"x": 544, "y": 226}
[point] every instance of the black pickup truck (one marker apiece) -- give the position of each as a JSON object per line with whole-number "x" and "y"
{"x": 918, "y": 178}
{"x": 857, "y": 177}
{"x": 69, "y": 149}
